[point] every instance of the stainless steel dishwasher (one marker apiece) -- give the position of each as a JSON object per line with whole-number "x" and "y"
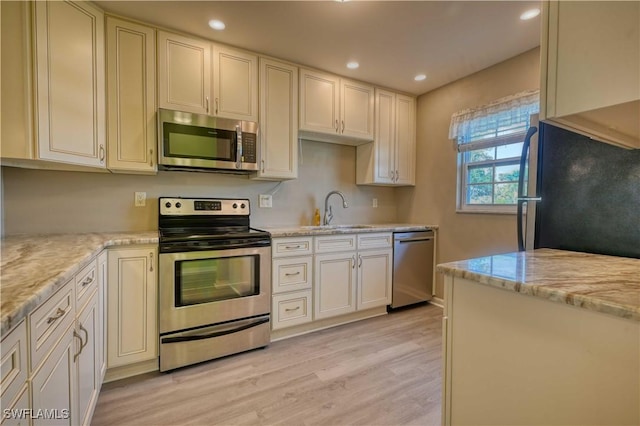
{"x": 412, "y": 267}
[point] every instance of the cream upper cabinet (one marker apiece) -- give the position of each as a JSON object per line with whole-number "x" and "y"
{"x": 356, "y": 110}
{"x": 390, "y": 159}
{"x": 590, "y": 69}
{"x": 334, "y": 109}
{"x": 69, "y": 83}
{"x": 131, "y": 101}
{"x": 132, "y": 306}
{"x": 235, "y": 84}
{"x": 184, "y": 73}
{"x": 278, "y": 120}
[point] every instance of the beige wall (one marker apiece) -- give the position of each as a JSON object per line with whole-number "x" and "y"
{"x": 37, "y": 201}
{"x": 433, "y": 200}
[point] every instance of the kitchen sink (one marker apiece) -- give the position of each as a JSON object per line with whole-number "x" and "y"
{"x": 337, "y": 227}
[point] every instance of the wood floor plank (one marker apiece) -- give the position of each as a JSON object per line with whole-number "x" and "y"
{"x": 380, "y": 371}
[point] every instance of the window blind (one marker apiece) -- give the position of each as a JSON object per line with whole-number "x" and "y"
{"x": 503, "y": 121}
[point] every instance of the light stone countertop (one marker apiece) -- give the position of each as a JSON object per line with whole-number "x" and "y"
{"x": 305, "y": 231}
{"x": 33, "y": 267}
{"x": 607, "y": 284}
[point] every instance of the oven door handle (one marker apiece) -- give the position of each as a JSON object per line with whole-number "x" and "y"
{"x": 215, "y": 333}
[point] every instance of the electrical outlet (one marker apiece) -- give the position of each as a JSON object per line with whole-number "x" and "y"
{"x": 140, "y": 199}
{"x": 374, "y": 203}
{"x": 265, "y": 200}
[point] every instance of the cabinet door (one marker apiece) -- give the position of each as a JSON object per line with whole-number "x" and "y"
{"x": 319, "y": 102}
{"x": 334, "y": 284}
{"x": 102, "y": 312}
{"x": 131, "y": 102}
{"x": 70, "y": 89}
{"x": 385, "y": 137}
{"x": 374, "y": 278}
{"x": 18, "y": 406}
{"x": 278, "y": 120}
{"x": 132, "y": 306}
{"x": 405, "y": 140}
{"x": 235, "y": 84}
{"x": 356, "y": 109}
{"x": 87, "y": 362}
{"x": 184, "y": 73}
{"x": 53, "y": 386}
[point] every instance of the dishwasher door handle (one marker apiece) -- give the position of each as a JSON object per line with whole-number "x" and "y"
{"x": 413, "y": 240}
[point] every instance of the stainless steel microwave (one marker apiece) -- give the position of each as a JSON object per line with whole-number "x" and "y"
{"x": 192, "y": 142}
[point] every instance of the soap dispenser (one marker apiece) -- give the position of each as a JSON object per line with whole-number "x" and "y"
{"x": 316, "y": 218}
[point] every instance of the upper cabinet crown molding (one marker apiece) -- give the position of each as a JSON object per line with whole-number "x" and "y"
{"x": 590, "y": 62}
{"x": 131, "y": 88}
{"x": 334, "y": 109}
{"x": 189, "y": 80}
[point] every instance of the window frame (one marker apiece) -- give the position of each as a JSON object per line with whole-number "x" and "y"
{"x": 462, "y": 174}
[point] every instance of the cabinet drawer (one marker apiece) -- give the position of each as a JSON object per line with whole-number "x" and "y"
{"x": 375, "y": 241}
{"x": 335, "y": 243}
{"x": 291, "y": 273}
{"x": 291, "y": 309}
{"x": 291, "y": 246}
{"x": 13, "y": 362}
{"x": 49, "y": 322}
{"x": 86, "y": 282}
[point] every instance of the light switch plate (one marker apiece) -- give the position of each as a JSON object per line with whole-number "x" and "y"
{"x": 265, "y": 200}
{"x": 140, "y": 199}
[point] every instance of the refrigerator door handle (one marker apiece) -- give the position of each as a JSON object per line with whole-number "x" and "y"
{"x": 521, "y": 196}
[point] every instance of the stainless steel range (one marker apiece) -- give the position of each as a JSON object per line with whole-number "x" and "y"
{"x": 214, "y": 280}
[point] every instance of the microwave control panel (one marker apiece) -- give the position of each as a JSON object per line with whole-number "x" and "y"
{"x": 249, "y": 149}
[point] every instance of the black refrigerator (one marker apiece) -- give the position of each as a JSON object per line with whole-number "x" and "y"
{"x": 583, "y": 195}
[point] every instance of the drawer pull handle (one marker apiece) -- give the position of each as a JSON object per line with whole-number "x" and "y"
{"x": 292, "y": 309}
{"x": 290, "y": 274}
{"x": 293, "y": 247}
{"x": 59, "y": 314}
{"x": 87, "y": 281}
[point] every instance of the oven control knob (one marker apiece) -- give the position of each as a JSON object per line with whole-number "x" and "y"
{"x": 235, "y": 205}
{"x": 242, "y": 206}
{"x": 167, "y": 205}
{"x": 178, "y": 205}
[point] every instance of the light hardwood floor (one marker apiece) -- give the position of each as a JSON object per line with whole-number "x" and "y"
{"x": 380, "y": 371}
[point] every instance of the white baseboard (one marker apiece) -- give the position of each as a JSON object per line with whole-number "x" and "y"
{"x": 437, "y": 301}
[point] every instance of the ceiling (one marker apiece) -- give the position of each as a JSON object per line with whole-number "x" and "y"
{"x": 392, "y": 40}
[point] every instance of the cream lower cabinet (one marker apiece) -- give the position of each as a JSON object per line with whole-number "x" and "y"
{"x": 131, "y": 97}
{"x": 88, "y": 327}
{"x": 335, "y": 284}
{"x": 15, "y": 388}
{"x": 132, "y": 306}
{"x": 511, "y": 358}
{"x": 102, "y": 311}
{"x": 291, "y": 282}
{"x": 590, "y": 63}
{"x": 278, "y": 120}
{"x": 390, "y": 159}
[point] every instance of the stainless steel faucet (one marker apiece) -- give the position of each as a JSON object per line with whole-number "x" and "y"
{"x": 328, "y": 214}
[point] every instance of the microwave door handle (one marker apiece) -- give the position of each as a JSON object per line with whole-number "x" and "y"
{"x": 238, "y": 147}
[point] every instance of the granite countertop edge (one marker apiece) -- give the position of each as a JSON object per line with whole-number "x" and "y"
{"x": 561, "y": 291}
{"x": 305, "y": 231}
{"x": 17, "y": 304}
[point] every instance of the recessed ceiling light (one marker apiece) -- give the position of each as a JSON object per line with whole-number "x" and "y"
{"x": 353, "y": 65}
{"x": 420, "y": 77}
{"x": 530, "y": 14}
{"x": 217, "y": 24}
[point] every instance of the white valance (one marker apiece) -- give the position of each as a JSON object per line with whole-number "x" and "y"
{"x": 504, "y": 116}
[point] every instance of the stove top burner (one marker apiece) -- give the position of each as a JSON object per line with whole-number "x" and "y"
{"x": 188, "y": 224}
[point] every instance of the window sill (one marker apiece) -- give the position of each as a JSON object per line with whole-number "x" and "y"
{"x": 487, "y": 211}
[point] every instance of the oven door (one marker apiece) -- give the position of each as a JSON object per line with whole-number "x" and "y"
{"x": 201, "y": 288}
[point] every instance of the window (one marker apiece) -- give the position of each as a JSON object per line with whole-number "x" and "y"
{"x": 490, "y": 140}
